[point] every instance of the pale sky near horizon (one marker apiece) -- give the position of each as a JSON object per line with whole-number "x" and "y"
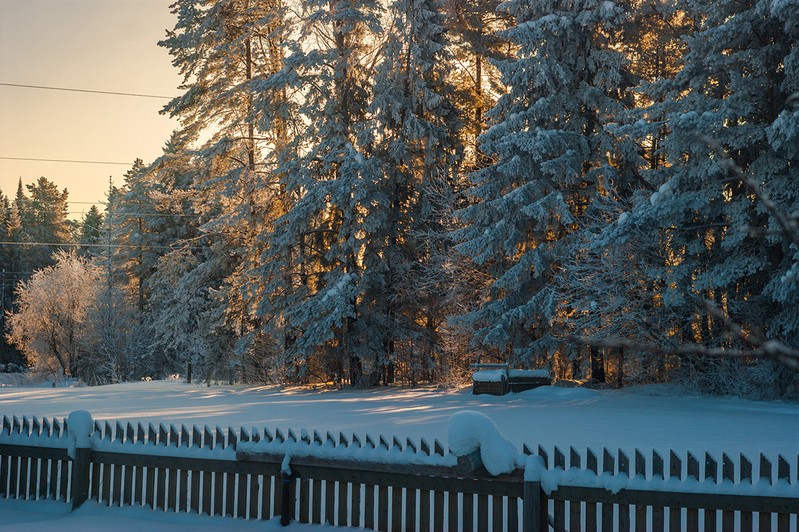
{"x": 106, "y": 45}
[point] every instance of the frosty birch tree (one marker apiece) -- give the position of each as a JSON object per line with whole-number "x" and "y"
{"x": 52, "y": 312}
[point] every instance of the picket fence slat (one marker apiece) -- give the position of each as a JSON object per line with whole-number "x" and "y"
{"x": 310, "y": 501}
{"x": 397, "y": 496}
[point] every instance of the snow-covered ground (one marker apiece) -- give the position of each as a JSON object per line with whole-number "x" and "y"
{"x": 43, "y": 516}
{"x": 646, "y": 418}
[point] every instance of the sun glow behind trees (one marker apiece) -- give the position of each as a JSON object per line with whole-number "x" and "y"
{"x": 368, "y": 191}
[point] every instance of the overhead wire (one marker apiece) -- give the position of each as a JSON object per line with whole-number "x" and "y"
{"x": 74, "y": 161}
{"x": 90, "y": 91}
{"x": 79, "y": 245}
{"x": 112, "y": 213}
{"x": 72, "y": 89}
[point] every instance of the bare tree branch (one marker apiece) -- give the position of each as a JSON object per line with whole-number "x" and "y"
{"x": 770, "y": 349}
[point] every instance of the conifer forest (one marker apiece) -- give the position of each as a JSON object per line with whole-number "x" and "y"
{"x": 367, "y": 192}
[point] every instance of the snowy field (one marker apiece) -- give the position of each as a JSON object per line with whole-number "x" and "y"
{"x": 644, "y": 417}
{"x": 651, "y": 417}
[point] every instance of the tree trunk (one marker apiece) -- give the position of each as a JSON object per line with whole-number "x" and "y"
{"x": 597, "y": 365}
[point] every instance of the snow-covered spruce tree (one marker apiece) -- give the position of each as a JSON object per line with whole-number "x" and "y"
{"x": 606, "y": 288}
{"x": 168, "y": 222}
{"x": 13, "y": 265}
{"x": 553, "y": 158}
{"x": 145, "y": 218}
{"x": 13, "y": 258}
{"x": 715, "y": 242}
{"x": 416, "y": 126}
{"x": 134, "y": 232}
{"x": 315, "y": 262}
{"x": 90, "y": 228}
{"x": 224, "y": 49}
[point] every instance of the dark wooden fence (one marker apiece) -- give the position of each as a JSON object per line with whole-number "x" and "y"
{"x": 388, "y": 484}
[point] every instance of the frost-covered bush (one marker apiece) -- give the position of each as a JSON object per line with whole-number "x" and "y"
{"x": 12, "y": 368}
{"x": 753, "y": 379}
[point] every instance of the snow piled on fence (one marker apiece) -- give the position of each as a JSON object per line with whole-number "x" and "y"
{"x": 384, "y": 451}
{"x": 80, "y": 426}
{"x": 536, "y": 471}
{"x": 472, "y": 431}
{"x": 171, "y": 451}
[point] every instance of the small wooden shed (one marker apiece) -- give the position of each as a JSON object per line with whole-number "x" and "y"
{"x": 499, "y": 379}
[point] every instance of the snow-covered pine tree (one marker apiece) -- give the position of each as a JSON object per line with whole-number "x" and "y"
{"x": 714, "y": 242}
{"x": 553, "y": 158}
{"x": 44, "y": 221}
{"x": 224, "y": 50}
{"x": 474, "y": 32}
{"x": 606, "y": 287}
{"x": 416, "y": 126}
{"x": 314, "y": 263}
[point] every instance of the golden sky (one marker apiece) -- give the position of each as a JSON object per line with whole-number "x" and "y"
{"x": 106, "y": 45}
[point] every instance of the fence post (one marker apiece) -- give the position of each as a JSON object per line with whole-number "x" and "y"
{"x": 286, "y": 500}
{"x": 79, "y": 429}
{"x": 534, "y": 517}
{"x": 80, "y": 476}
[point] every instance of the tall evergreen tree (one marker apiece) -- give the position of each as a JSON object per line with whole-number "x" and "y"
{"x": 90, "y": 228}
{"x": 225, "y": 50}
{"x": 44, "y": 220}
{"x": 552, "y": 160}
{"x": 418, "y": 150}
{"x": 731, "y": 95}
{"x": 315, "y": 265}
{"x": 606, "y": 288}
{"x": 475, "y": 28}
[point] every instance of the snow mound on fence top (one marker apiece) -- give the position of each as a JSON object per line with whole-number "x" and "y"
{"x": 80, "y": 426}
{"x": 535, "y": 470}
{"x": 471, "y": 431}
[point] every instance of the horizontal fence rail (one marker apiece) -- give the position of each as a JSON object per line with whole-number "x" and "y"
{"x": 389, "y": 484}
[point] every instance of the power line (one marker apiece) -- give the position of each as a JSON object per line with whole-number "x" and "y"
{"x": 112, "y": 214}
{"x": 61, "y": 160}
{"x": 90, "y": 91}
{"x": 78, "y": 245}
